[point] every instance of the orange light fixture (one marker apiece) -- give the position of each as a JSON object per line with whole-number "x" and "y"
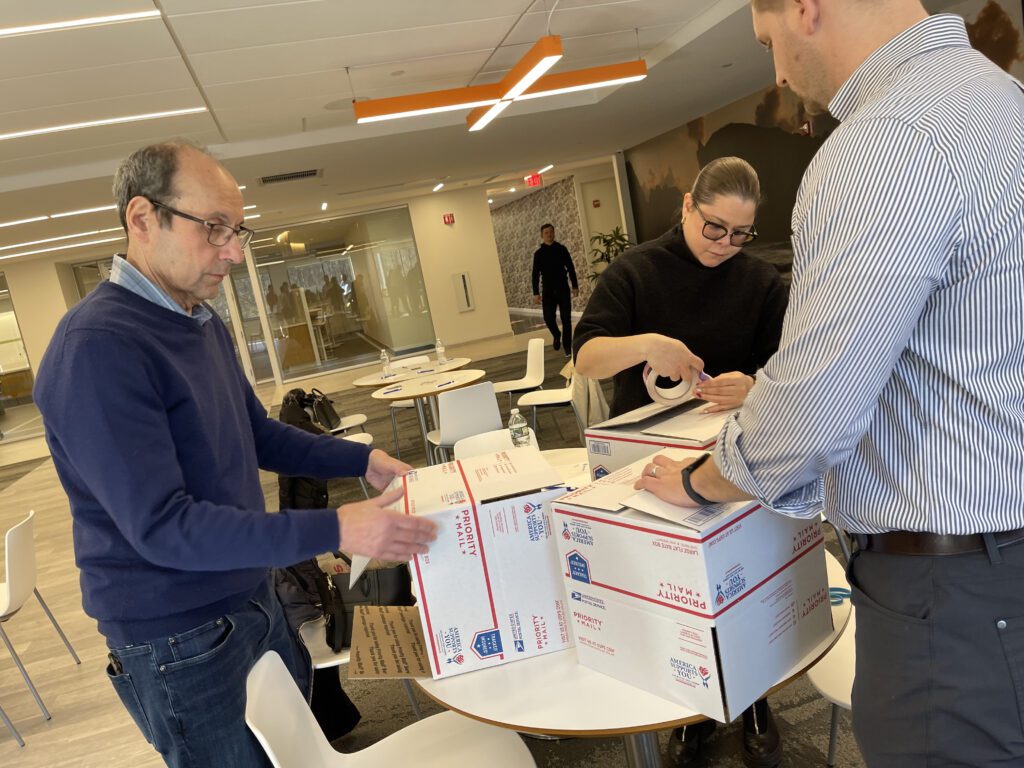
{"x": 526, "y": 80}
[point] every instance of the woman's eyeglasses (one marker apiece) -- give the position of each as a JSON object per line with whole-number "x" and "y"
{"x": 713, "y": 231}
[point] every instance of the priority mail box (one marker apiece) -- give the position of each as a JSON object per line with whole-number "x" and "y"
{"x": 490, "y": 590}
{"x": 620, "y": 441}
{"x": 708, "y": 607}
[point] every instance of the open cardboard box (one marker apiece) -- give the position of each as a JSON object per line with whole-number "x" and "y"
{"x": 708, "y": 607}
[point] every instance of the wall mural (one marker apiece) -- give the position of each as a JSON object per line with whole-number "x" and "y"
{"x": 771, "y": 130}
{"x": 517, "y": 234}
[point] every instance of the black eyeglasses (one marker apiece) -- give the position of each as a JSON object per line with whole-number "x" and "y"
{"x": 216, "y": 234}
{"x": 712, "y": 231}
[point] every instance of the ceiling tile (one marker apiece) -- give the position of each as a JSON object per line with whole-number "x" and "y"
{"x": 100, "y": 109}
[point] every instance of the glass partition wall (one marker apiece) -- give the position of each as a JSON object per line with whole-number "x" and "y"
{"x": 19, "y": 417}
{"x": 337, "y": 291}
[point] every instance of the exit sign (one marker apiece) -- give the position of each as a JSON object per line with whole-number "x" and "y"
{"x": 533, "y": 180}
{"x": 449, "y": 218}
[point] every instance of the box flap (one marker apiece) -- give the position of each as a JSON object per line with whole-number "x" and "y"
{"x": 508, "y": 473}
{"x": 696, "y": 426}
{"x": 387, "y": 642}
{"x": 700, "y": 519}
{"x": 645, "y": 412}
{"x": 610, "y": 493}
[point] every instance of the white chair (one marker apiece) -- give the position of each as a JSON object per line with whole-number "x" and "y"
{"x": 534, "y": 378}
{"x": 348, "y": 423}
{"x": 11, "y": 728}
{"x": 20, "y": 555}
{"x": 398, "y": 405}
{"x": 363, "y": 438}
{"x": 279, "y": 717}
{"x": 488, "y": 442}
{"x": 832, "y": 677}
{"x": 464, "y": 412}
{"x": 550, "y": 398}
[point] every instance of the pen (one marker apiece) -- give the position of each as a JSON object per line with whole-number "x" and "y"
{"x": 392, "y": 390}
{"x": 445, "y": 383}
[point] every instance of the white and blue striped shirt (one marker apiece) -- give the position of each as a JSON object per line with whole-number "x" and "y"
{"x": 896, "y": 399}
{"x": 123, "y": 273}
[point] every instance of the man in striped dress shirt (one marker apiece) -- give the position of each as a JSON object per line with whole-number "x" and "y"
{"x": 895, "y": 403}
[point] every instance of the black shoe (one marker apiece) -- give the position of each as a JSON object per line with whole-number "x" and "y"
{"x": 762, "y": 745}
{"x": 568, "y": 350}
{"x": 558, "y": 344}
{"x": 685, "y": 744}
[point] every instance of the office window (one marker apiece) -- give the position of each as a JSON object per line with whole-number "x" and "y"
{"x": 18, "y": 415}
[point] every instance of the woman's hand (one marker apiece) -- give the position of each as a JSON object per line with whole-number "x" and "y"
{"x": 663, "y": 477}
{"x": 725, "y": 391}
{"x": 671, "y": 358}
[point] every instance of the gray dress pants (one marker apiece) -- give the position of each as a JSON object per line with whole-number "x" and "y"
{"x": 940, "y": 659}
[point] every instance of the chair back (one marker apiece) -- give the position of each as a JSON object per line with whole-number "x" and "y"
{"x": 488, "y": 442}
{"x": 20, "y": 556}
{"x": 279, "y": 717}
{"x": 468, "y": 411}
{"x": 535, "y": 361}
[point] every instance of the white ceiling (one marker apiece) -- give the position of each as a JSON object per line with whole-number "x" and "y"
{"x": 272, "y": 74}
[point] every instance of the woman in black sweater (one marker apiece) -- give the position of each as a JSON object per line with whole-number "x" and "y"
{"x": 689, "y": 301}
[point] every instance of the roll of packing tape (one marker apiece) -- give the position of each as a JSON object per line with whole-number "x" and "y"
{"x": 677, "y": 394}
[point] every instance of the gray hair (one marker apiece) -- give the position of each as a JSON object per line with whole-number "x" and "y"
{"x": 730, "y": 176}
{"x": 149, "y": 172}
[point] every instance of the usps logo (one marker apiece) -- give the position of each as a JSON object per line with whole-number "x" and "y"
{"x": 600, "y": 471}
{"x": 565, "y": 531}
{"x": 519, "y": 645}
{"x": 705, "y": 675}
{"x": 719, "y": 595}
{"x": 577, "y": 596}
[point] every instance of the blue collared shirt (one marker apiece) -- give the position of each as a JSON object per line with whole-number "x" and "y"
{"x": 896, "y": 398}
{"x": 122, "y": 273}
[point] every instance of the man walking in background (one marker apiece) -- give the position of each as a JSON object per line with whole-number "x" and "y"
{"x": 551, "y": 263}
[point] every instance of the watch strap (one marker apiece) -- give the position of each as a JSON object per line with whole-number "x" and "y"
{"x": 687, "y": 485}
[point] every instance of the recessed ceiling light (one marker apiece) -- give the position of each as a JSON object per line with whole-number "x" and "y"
{"x": 90, "y": 22}
{"x": 23, "y": 221}
{"x": 241, "y": 186}
{"x": 97, "y": 209}
{"x": 545, "y": 169}
{"x": 62, "y": 247}
{"x": 490, "y": 200}
{"x": 56, "y": 239}
{"x": 511, "y": 189}
{"x": 96, "y": 123}
{"x": 323, "y": 206}
{"x": 439, "y": 186}
{"x": 248, "y": 207}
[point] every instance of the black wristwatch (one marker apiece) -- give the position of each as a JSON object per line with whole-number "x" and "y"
{"x": 687, "y": 471}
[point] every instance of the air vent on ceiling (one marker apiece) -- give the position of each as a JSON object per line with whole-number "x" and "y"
{"x": 277, "y": 178}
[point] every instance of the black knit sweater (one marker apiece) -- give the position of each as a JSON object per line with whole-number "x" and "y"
{"x": 729, "y": 315}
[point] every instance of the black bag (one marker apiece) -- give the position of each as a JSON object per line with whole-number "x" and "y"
{"x": 323, "y": 410}
{"x": 383, "y": 586}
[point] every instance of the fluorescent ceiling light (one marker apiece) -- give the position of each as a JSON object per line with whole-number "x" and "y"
{"x": 261, "y": 240}
{"x": 90, "y": 22}
{"x": 374, "y": 110}
{"x": 248, "y": 207}
{"x": 484, "y": 120}
{"x": 62, "y": 247}
{"x": 585, "y": 79}
{"x": 55, "y": 239}
{"x": 545, "y": 169}
{"x": 97, "y": 209}
{"x": 241, "y": 186}
{"x": 270, "y": 263}
{"x": 254, "y": 216}
{"x": 323, "y": 206}
{"x": 511, "y": 189}
{"x": 427, "y": 111}
{"x": 23, "y": 221}
{"x": 583, "y": 87}
{"x": 96, "y": 123}
{"x": 439, "y": 186}
{"x": 544, "y": 54}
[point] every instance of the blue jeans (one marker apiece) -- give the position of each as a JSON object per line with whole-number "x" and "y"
{"x": 186, "y": 692}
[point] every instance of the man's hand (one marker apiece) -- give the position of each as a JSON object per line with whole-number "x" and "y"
{"x": 671, "y": 358}
{"x": 575, "y": 292}
{"x": 726, "y": 391}
{"x": 536, "y": 299}
{"x": 367, "y": 528}
{"x": 663, "y": 477}
{"x": 382, "y": 469}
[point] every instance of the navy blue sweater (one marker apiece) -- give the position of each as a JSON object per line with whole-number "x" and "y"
{"x": 157, "y": 439}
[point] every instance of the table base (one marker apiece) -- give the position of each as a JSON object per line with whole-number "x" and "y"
{"x": 642, "y": 750}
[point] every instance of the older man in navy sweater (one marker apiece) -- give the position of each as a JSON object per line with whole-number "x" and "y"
{"x": 158, "y": 440}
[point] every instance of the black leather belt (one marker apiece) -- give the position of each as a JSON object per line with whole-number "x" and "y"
{"x": 920, "y": 543}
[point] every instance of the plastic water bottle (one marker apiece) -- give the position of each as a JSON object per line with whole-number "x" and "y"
{"x": 385, "y": 362}
{"x": 519, "y": 429}
{"x": 439, "y": 350}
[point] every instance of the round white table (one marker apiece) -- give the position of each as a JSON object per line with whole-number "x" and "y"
{"x": 400, "y": 372}
{"x": 554, "y": 694}
{"x": 422, "y": 387}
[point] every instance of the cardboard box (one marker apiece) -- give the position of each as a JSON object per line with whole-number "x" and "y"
{"x": 620, "y": 441}
{"x": 490, "y": 590}
{"x": 707, "y": 607}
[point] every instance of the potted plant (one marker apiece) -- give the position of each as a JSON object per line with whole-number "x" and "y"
{"x": 607, "y": 247}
